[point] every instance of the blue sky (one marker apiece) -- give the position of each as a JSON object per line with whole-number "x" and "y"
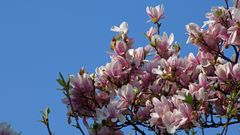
{"x": 40, "y": 38}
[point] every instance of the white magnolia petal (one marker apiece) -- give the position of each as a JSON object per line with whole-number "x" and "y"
{"x": 171, "y": 39}
{"x": 157, "y": 71}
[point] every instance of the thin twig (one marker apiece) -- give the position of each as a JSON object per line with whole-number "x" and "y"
{"x": 158, "y": 27}
{"x": 48, "y": 128}
{"x": 226, "y": 2}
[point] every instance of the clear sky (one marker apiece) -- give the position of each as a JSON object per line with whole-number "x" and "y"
{"x": 42, "y": 37}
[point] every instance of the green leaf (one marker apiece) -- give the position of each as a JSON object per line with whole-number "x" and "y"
{"x": 193, "y": 132}
{"x": 234, "y": 111}
{"x": 188, "y": 98}
{"x": 61, "y": 80}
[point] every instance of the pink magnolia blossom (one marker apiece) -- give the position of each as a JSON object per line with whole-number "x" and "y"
{"x": 82, "y": 82}
{"x": 234, "y": 38}
{"x": 111, "y": 112}
{"x": 174, "y": 65}
{"x": 82, "y": 87}
{"x": 224, "y": 72}
{"x": 155, "y": 13}
{"x": 236, "y": 71}
{"x": 118, "y": 68}
{"x": 163, "y": 44}
{"x": 173, "y": 120}
{"x": 160, "y": 108}
{"x": 126, "y": 95}
{"x": 151, "y": 32}
{"x": 135, "y": 56}
{"x": 194, "y": 33}
{"x": 217, "y": 15}
{"x": 120, "y": 48}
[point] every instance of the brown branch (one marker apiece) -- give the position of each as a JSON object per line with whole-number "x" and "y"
{"x": 237, "y": 53}
{"x": 74, "y": 112}
{"x": 48, "y": 128}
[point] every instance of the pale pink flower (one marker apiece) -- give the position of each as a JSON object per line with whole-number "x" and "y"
{"x": 155, "y": 13}
{"x": 83, "y": 82}
{"x": 173, "y": 120}
{"x": 122, "y": 29}
{"x": 82, "y": 86}
{"x": 115, "y": 69}
{"x": 162, "y": 43}
{"x": 236, "y": 71}
{"x": 235, "y": 14}
{"x": 194, "y": 32}
{"x": 218, "y": 31}
{"x": 234, "y": 38}
{"x": 160, "y": 107}
{"x": 135, "y": 56}
{"x": 126, "y": 95}
{"x": 110, "y": 112}
{"x": 151, "y": 32}
{"x": 120, "y": 48}
{"x": 174, "y": 64}
{"x": 203, "y": 80}
{"x": 217, "y": 15}
{"x": 224, "y": 71}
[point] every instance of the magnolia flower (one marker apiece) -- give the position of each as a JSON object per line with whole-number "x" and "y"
{"x": 122, "y": 29}
{"x": 193, "y": 32}
{"x": 236, "y": 71}
{"x": 117, "y": 69}
{"x": 5, "y": 129}
{"x": 135, "y": 56}
{"x": 174, "y": 64}
{"x": 163, "y": 44}
{"x": 217, "y": 15}
{"x": 173, "y": 120}
{"x": 236, "y": 14}
{"x": 110, "y": 112}
{"x": 126, "y": 94}
{"x": 224, "y": 71}
{"x": 160, "y": 108}
{"x": 234, "y": 38}
{"x": 202, "y": 80}
{"x": 157, "y": 71}
{"x": 82, "y": 82}
{"x": 120, "y": 48}
{"x": 82, "y": 86}
{"x": 151, "y": 32}
{"x": 155, "y": 13}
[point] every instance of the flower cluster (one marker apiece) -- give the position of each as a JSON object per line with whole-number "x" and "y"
{"x": 155, "y": 88}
